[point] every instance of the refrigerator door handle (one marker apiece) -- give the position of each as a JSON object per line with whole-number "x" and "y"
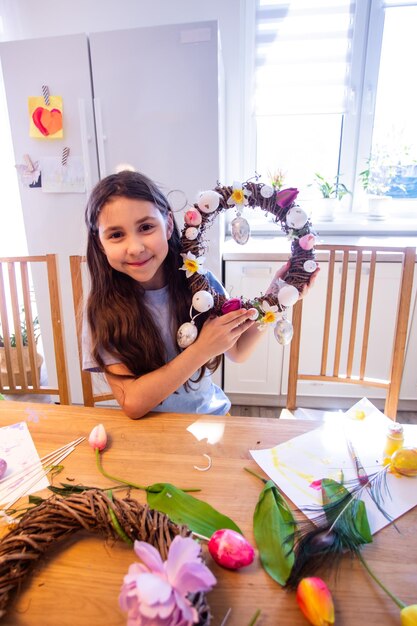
{"x": 101, "y": 138}
{"x": 85, "y": 140}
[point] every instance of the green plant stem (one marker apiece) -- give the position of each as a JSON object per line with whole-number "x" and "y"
{"x": 118, "y": 480}
{"x": 125, "y": 482}
{"x": 255, "y": 618}
{"x": 116, "y": 524}
{"x": 255, "y": 474}
{"x": 397, "y": 601}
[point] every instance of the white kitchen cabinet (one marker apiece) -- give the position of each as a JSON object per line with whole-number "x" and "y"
{"x": 263, "y": 378}
{"x": 258, "y": 379}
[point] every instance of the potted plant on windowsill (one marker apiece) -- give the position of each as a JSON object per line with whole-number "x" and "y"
{"x": 376, "y": 181}
{"x": 332, "y": 192}
{"x": 14, "y": 353}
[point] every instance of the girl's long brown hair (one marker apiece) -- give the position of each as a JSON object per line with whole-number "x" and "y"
{"x": 118, "y": 318}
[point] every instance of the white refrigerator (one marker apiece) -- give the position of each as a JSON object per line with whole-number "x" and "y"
{"x": 148, "y": 98}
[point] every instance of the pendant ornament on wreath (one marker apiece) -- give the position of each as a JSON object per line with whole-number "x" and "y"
{"x": 267, "y": 309}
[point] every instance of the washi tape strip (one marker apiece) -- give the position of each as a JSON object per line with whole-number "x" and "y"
{"x": 65, "y": 154}
{"x": 45, "y": 93}
{"x": 29, "y": 164}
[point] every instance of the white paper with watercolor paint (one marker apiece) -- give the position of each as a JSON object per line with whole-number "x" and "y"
{"x": 58, "y": 178}
{"x": 323, "y": 453}
{"x": 19, "y": 452}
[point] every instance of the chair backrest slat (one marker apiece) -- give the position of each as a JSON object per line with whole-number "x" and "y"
{"x": 352, "y": 298}
{"x": 89, "y": 396}
{"x": 21, "y": 362}
{"x": 355, "y": 305}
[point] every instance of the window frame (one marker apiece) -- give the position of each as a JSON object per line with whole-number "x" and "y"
{"x": 356, "y": 136}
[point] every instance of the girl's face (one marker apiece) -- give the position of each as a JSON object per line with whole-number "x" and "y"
{"x": 134, "y": 236}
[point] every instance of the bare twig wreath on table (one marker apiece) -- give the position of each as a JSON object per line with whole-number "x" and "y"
{"x": 294, "y": 221}
{"x": 57, "y": 519}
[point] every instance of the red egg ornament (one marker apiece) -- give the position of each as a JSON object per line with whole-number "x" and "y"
{"x": 230, "y": 549}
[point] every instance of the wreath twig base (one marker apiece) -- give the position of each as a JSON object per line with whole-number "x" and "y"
{"x": 59, "y": 518}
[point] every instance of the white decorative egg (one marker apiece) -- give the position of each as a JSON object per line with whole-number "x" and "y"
{"x": 187, "y": 334}
{"x": 203, "y": 301}
{"x": 267, "y": 191}
{"x": 191, "y": 233}
{"x": 288, "y": 295}
{"x": 283, "y": 332}
{"x": 296, "y": 218}
{"x": 208, "y": 201}
{"x": 254, "y": 314}
{"x": 310, "y": 266}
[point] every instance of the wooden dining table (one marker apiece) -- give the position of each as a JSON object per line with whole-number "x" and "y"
{"x": 79, "y": 581}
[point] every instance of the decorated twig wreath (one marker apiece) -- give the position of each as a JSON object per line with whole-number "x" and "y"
{"x": 57, "y": 519}
{"x": 295, "y": 223}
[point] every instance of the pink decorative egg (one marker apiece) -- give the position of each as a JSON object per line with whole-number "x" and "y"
{"x": 307, "y": 242}
{"x": 234, "y": 304}
{"x": 230, "y": 549}
{"x": 3, "y": 467}
{"x": 193, "y": 218}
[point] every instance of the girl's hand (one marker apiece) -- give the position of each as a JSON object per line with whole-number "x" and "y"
{"x": 219, "y": 334}
{"x": 279, "y": 275}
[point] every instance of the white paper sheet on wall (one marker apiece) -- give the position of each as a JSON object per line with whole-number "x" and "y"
{"x": 323, "y": 453}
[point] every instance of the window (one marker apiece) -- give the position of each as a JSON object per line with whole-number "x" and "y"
{"x": 334, "y": 95}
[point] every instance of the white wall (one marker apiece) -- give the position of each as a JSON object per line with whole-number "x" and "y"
{"x": 26, "y": 19}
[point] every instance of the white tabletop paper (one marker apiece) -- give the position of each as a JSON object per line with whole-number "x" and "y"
{"x": 19, "y": 452}
{"x": 323, "y": 453}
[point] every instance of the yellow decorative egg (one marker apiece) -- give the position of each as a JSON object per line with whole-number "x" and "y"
{"x": 404, "y": 461}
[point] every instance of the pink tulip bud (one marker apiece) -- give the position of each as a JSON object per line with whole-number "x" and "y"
{"x": 230, "y": 549}
{"x": 3, "y": 467}
{"x": 234, "y": 304}
{"x": 286, "y": 197}
{"x": 315, "y": 601}
{"x": 307, "y": 242}
{"x": 98, "y": 437}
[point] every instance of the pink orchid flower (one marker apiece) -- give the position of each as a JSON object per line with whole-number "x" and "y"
{"x": 155, "y": 593}
{"x": 98, "y": 437}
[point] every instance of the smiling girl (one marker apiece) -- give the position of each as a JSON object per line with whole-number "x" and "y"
{"x": 139, "y": 298}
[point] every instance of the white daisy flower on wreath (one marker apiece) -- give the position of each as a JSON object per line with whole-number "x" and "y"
{"x": 270, "y": 313}
{"x": 193, "y": 264}
{"x": 239, "y": 196}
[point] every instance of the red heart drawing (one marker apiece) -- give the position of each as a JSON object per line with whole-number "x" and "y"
{"x": 47, "y": 122}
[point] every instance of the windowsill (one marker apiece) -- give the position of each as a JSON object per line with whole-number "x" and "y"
{"x": 345, "y": 224}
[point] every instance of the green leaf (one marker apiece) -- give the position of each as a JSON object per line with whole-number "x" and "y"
{"x": 182, "y": 508}
{"x": 352, "y": 511}
{"x": 273, "y": 527}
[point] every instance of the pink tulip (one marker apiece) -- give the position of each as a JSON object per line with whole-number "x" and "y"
{"x": 315, "y": 601}
{"x": 307, "y": 242}
{"x": 234, "y": 304}
{"x": 98, "y": 437}
{"x": 230, "y": 549}
{"x": 286, "y": 197}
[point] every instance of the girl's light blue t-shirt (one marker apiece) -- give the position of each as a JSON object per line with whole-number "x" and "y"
{"x": 201, "y": 397}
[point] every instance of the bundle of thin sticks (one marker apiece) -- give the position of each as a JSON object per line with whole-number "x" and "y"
{"x": 59, "y": 518}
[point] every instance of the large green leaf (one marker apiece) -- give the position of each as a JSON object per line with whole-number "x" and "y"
{"x": 182, "y": 508}
{"x": 351, "y": 514}
{"x": 273, "y": 527}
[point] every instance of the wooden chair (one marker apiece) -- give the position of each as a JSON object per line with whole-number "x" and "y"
{"x": 21, "y": 327}
{"x": 90, "y": 395}
{"x": 352, "y": 315}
